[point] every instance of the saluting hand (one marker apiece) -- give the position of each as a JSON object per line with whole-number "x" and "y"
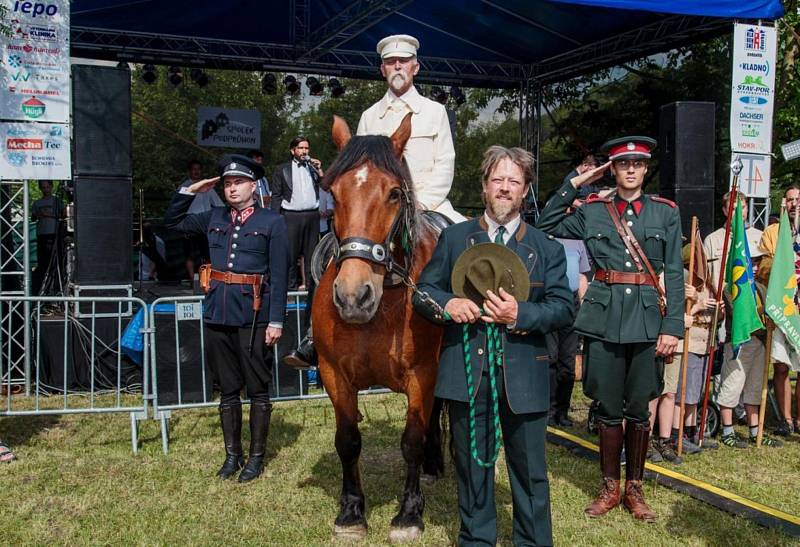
{"x": 272, "y": 335}
{"x": 202, "y": 186}
{"x": 590, "y": 176}
{"x": 502, "y": 308}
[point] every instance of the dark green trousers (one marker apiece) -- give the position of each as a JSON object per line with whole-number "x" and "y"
{"x": 524, "y": 441}
{"x": 622, "y": 378}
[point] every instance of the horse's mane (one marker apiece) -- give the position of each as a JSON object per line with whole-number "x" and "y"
{"x": 378, "y": 150}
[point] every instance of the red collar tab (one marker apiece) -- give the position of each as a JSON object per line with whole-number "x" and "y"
{"x": 622, "y": 205}
{"x": 244, "y": 213}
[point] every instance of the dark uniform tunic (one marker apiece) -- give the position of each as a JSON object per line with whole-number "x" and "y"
{"x": 621, "y": 322}
{"x": 252, "y": 241}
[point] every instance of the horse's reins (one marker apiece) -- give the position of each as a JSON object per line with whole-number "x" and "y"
{"x": 381, "y": 254}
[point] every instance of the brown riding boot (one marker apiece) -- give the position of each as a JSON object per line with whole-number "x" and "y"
{"x": 610, "y": 450}
{"x": 637, "y": 437}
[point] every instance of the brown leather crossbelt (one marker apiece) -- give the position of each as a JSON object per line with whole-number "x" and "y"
{"x": 613, "y": 277}
{"x": 207, "y": 273}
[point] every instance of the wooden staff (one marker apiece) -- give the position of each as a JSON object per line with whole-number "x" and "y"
{"x": 764, "y": 382}
{"x": 685, "y": 356}
{"x": 736, "y": 168}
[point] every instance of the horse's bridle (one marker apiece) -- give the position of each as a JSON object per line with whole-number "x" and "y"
{"x": 381, "y": 253}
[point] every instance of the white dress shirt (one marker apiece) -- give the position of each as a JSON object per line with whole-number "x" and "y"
{"x": 510, "y": 226}
{"x": 303, "y": 196}
{"x": 429, "y": 151}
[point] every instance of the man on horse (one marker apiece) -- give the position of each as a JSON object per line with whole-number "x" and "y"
{"x": 429, "y": 152}
{"x": 494, "y": 366}
{"x": 245, "y": 302}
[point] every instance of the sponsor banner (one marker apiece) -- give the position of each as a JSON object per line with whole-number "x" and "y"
{"x": 228, "y": 127}
{"x": 753, "y": 88}
{"x": 34, "y": 151}
{"x": 754, "y": 178}
{"x": 35, "y": 79}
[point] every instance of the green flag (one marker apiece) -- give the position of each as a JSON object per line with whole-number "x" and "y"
{"x": 740, "y": 285}
{"x": 780, "y": 304}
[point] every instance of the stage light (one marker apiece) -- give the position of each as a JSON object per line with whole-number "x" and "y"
{"x": 175, "y": 76}
{"x": 439, "y": 95}
{"x": 199, "y": 77}
{"x": 791, "y": 150}
{"x": 123, "y": 65}
{"x": 314, "y": 86}
{"x": 269, "y": 84}
{"x": 336, "y": 87}
{"x": 291, "y": 84}
{"x": 149, "y": 74}
{"x": 457, "y": 95}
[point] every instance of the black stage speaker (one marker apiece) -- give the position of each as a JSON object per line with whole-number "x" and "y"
{"x": 103, "y": 231}
{"x": 192, "y": 389}
{"x": 101, "y": 120}
{"x": 686, "y": 161}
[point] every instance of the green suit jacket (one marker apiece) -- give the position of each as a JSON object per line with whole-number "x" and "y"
{"x": 622, "y": 313}
{"x": 549, "y": 307}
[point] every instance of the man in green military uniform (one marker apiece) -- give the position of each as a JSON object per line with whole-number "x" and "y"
{"x": 629, "y": 324}
{"x": 537, "y": 301}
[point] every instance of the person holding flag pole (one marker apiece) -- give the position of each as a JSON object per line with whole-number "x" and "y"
{"x": 780, "y": 305}
{"x": 702, "y": 309}
{"x": 743, "y": 354}
{"x": 785, "y": 354}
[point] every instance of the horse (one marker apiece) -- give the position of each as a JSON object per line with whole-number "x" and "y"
{"x": 365, "y": 330}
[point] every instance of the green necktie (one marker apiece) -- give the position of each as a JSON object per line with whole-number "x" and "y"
{"x": 499, "y": 237}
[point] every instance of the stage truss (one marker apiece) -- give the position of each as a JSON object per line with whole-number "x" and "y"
{"x": 15, "y": 336}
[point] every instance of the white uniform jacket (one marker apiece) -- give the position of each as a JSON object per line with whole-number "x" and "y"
{"x": 429, "y": 152}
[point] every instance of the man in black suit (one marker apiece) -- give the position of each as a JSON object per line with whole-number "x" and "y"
{"x": 295, "y": 194}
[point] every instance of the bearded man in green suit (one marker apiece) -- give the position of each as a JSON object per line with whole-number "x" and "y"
{"x": 517, "y": 329}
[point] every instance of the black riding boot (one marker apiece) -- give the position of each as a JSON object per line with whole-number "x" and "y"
{"x": 304, "y": 357}
{"x": 231, "y": 418}
{"x": 260, "y": 414}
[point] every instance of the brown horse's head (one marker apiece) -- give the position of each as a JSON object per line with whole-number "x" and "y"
{"x": 371, "y": 188}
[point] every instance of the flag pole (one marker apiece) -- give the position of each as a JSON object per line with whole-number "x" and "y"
{"x": 765, "y": 381}
{"x": 685, "y": 356}
{"x": 736, "y": 168}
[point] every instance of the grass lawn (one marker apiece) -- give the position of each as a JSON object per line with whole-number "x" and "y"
{"x": 77, "y": 482}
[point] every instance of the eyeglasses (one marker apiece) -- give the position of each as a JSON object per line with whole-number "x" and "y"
{"x": 627, "y": 164}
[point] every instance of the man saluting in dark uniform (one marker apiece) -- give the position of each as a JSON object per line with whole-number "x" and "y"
{"x": 245, "y": 302}
{"x": 628, "y": 322}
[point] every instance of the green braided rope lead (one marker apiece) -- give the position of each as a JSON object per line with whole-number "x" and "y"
{"x": 495, "y": 357}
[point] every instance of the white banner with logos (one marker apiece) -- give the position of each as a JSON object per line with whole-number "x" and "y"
{"x": 754, "y": 178}
{"x": 228, "y": 127}
{"x": 35, "y": 75}
{"x": 753, "y": 88}
{"x": 35, "y": 151}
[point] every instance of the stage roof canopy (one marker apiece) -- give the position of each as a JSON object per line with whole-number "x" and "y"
{"x": 485, "y": 43}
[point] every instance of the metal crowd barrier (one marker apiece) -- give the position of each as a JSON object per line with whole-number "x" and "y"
{"x": 192, "y": 386}
{"x": 72, "y": 375}
{"x": 96, "y": 345}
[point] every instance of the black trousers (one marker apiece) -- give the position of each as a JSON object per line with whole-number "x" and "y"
{"x": 303, "y": 231}
{"x": 562, "y": 345}
{"x": 233, "y": 368}
{"x": 45, "y": 248}
{"x": 524, "y": 441}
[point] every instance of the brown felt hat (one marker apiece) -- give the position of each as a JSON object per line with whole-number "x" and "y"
{"x": 489, "y": 266}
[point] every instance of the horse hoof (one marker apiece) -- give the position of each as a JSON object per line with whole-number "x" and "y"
{"x": 428, "y": 480}
{"x": 403, "y": 535}
{"x": 355, "y": 532}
